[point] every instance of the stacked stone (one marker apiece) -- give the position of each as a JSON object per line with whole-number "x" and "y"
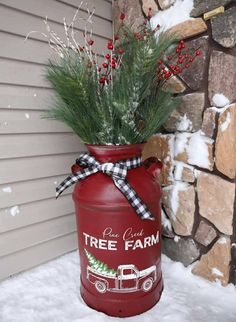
{"x": 198, "y": 144}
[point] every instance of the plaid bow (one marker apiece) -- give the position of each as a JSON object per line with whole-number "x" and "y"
{"x": 117, "y": 171}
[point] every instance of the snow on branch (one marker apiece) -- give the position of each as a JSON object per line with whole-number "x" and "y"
{"x": 72, "y": 43}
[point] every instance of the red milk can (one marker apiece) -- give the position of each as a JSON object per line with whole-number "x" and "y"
{"x": 120, "y": 253}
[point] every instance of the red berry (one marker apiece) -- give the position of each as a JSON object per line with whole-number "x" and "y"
{"x": 99, "y": 69}
{"x": 90, "y": 42}
{"x": 122, "y": 16}
{"x": 180, "y": 61}
{"x": 180, "y": 56}
{"x": 120, "y": 51}
{"x": 198, "y": 53}
{"x": 182, "y": 45}
{"x": 187, "y": 66}
{"x": 169, "y": 57}
{"x": 102, "y": 80}
{"x": 105, "y": 65}
{"x": 160, "y": 62}
{"x": 168, "y": 74}
{"x": 191, "y": 60}
{"x": 181, "y": 42}
{"x": 186, "y": 56}
{"x": 108, "y": 56}
{"x": 177, "y": 68}
{"x": 116, "y": 37}
{"x": 177, "y": 50}
{"x": 110, "y": 46}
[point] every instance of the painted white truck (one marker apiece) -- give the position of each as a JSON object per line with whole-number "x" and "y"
{"x": 127, "y": 279}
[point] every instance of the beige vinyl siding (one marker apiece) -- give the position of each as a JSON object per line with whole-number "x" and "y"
{"x": 35, "y": 154}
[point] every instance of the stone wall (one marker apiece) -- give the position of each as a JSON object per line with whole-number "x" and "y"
{"x": 198, "y": 143}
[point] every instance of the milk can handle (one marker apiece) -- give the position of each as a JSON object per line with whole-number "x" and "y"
{"x": 153, "y": 166}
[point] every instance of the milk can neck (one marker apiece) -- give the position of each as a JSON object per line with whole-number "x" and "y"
{"x": 114, "y": 153}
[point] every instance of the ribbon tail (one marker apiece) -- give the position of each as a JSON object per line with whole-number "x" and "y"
{"x": 73, "y": 178}
{"x": 136, "y": 202}
{"x": 69, "y": 181}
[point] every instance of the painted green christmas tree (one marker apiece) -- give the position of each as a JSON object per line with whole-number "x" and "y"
{"x": 98, "y": 265}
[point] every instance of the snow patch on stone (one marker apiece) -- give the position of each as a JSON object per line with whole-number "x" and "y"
{"x": 216, "y": 272}
{"x": 220, "y": 100}
{"x": 171, "y": 16}
{"x": 222, "y": 240}
{"x": 226, "y": 123}
{"x": 7, "y": 189}
{"x": 174, "y": 195}
{"x": 197, "y": 150}
{"x": 179, "y": 166}
{"x": 176, "y": 239}
{"x": 181, "y": 142}
{"x": 165, "y": 221}
{"x": 184, "y": 124}
{"x": 197, "y": 172}
{"x": 14, "y": 211}
{"x": 195, "y": 146}
{"x": 219, "y": 110}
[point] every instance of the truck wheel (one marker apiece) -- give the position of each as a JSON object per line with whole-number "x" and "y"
{"x": 100, "y": 286}
{"x": 147, "y": 284}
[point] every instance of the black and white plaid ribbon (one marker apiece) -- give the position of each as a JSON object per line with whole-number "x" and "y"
{"x": 118, "y": 172}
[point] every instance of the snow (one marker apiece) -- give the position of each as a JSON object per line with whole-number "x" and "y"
{"x": 179, "y": 166}
{"x": 184, "y": 124}
{"x": 174, "y": 195}
{"x": 196, "y": 147}
{"x": 14, "y": 211}
{"x": 217, "y": 272}
{"x": 226, "y": 123}
{"x": 176, "y": 238}
{"x": 219, "y": 110}
{"x": 198, "y": 150}
{"x": 171, "y": 16}
{"x": 180, "y": 142}
{"x": 7, "y": 189}
{"x": 220, "y": 100}
{"x": 222, "y": 240}
{"x": 165, "y": 221}
{"x": 51, "y": 293}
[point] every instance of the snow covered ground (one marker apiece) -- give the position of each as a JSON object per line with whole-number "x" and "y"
{"x": 50, "y": 293}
